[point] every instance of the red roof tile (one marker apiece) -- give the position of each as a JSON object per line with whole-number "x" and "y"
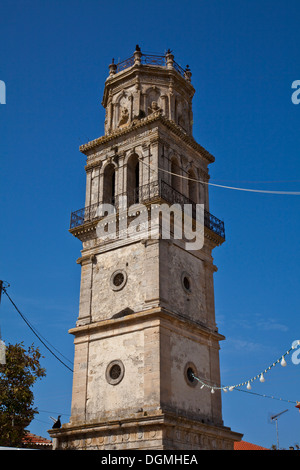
{"x": 36, "y": 440}
{"x": 243, "y": 445}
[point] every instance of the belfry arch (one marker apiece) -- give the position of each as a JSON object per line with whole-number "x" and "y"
{"x": 133, "y": 179}
{"x": 193, "y": 186}
{"x": 109, "y": 184}
{"x": 176, "y": 181}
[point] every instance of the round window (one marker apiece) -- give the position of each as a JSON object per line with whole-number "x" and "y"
{"x": 190, "y": 375}
{"x": 115, "y": 372}
{"x": 186, "y": 282}
{"x": 190, "y": 372}
{"x": 118, "y": 279}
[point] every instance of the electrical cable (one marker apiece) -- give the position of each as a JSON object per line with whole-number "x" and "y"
{"x": 54, "y": 412}
{"x": 265, "y": 396}
{"x": 266, "y": 191}
{"x": 45, "y": 339}
{"x": 34, "y": 331}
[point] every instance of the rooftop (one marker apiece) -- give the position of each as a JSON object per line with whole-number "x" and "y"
{"x": 243, "y": 445}
{"x": 36, "y": 442}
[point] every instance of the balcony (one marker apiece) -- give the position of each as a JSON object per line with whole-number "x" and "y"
{"x": 140, "y": 58}
{"x": 158, "y": 191}
{"x": 151, "y": 59}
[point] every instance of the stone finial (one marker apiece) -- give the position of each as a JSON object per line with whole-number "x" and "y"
{"x": 169, "y": 59}
{"x": 112, "y": 67}
{"x": 187, "y": 73}
{"x": 137, "y": 55}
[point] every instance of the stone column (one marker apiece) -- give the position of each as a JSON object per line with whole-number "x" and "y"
{"x": 216, "y": 401}
{"x": 154, "y": 159}
{"x": 171, "y": 101}
{"x": 88, "y": 187}
{"x": 151, "y": 368}
{"x": 164, "y": 105}
{"x": 78, "y": 408}
{"x": 84, "y": 316}
{"x": 95, "y": 185}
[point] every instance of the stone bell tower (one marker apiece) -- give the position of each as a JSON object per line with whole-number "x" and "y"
{"x": 146, "y": 323}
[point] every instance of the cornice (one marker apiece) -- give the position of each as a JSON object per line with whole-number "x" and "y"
{"x": 138, "y": 124}
{"x": 139, "y": 72}
{"x": 88, "y": 229}
{"x": 145, "y": 319}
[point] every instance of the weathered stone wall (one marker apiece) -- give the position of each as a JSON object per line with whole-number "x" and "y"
{"x": 105, "y": 400}
{"x": 155, "y": 349}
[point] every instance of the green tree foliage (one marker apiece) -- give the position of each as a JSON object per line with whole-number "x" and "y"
{"x": 17, "y": 377}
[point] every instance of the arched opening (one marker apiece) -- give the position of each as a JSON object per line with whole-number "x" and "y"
{"x": 175, "y": 180}
{"x": 202, "y": 193}
{"x": 109, "y": 184}
{"x": 133, "y": 180}
{"x": 192, "y": 186}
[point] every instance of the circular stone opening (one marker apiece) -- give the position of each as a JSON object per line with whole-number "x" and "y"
{"x": 115, "y": 372}
{"x": 118, "y": 279}
{"x": 190, "y": 372}
{"x": 186, "y": 282}
{"x": 190, "y": 375}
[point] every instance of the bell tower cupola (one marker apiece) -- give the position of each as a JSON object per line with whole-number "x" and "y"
{"x": 131, "y": 94}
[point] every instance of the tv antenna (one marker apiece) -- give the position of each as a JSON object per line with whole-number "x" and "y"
{"x": 275, "y": 418}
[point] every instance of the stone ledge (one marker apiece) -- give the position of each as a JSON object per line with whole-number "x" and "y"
{"x": 158, "y": 431}
{"x": 140, "y": 320}
{"x": 171, "y": 125}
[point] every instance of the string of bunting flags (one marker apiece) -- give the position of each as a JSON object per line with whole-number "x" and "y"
{"x": 260, "y": 376}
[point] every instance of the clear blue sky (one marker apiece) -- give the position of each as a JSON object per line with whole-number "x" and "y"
{"x": 244, "y": 56}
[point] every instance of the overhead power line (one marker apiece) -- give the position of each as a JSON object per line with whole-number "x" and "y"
{"x": 35, "y": 331}
{"x": 265, "y": 191}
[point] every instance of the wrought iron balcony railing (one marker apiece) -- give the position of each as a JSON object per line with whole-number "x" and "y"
{"x": 144, "y": 194}
{"x": 173, "y": 196}
{"x": 150, "y": 59}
